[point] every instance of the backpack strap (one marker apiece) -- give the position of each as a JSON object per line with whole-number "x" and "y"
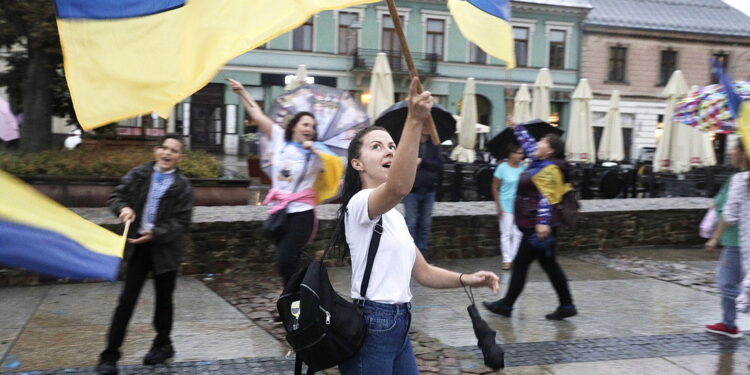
{"x": 377, "y": 231}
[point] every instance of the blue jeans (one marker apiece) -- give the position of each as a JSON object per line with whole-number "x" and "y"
{"x": 387, "y": 347}
{"x": 419, "y": 217}
{"x": 729, "y": 278}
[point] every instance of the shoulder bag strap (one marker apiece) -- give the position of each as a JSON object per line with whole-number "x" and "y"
{"x": 304, "y": 172}
{"x": 374, "y": 244}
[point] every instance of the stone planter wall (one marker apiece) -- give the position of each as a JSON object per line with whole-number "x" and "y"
{"x": 229, "y": 239}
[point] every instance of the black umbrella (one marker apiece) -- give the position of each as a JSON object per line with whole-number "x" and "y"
{"x": 493, "y": 354}
{"x": 499, "y": 144}
{"x": 393, "y": 118}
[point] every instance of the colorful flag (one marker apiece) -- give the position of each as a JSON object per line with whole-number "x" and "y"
{"x": 743, "y": 125}
{"x": 486, "y": 23}
{"x": 40, "y": 235}
{"x": 127, "y": 58}
{"x": 734, "y": 99}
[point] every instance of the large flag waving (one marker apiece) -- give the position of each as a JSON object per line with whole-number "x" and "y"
{"x": 127, "y": 58}
{"x": 486, "y": 23}
{"x": 42, "y": 236}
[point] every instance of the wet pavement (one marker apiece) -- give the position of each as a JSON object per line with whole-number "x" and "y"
{"x": 642, "y": 311}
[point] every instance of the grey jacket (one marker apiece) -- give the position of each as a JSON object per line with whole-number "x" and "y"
{"x": 172, "y": 218}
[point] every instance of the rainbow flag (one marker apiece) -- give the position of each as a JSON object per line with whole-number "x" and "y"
{"x": 127, "y": 58}
{"x": 40, "y": 235}
{"x": 486, "y": 23}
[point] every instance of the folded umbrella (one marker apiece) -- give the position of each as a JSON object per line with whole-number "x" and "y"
{"x": 493, "y": 354}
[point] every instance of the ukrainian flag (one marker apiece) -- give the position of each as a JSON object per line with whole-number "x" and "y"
{"x": 39, "y": 235}
{"x": 486, "y": 23}
{"x": 126, "y": 58}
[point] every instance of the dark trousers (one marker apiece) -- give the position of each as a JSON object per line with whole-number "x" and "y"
{"x": 526, "y": 255}
{"x": 289, "y": 247}
{"x": 138, "y": 268}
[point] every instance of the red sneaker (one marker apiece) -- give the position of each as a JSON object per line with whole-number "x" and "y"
{"x": 721, "y": 329}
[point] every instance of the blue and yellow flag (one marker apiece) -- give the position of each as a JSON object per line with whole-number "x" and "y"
{"x": 127, "y": 58}
{"x": 486, "y": 23}
{"x": 39, "y": 235}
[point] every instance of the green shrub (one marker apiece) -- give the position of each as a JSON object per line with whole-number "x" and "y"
{"x": 88, "y": 162}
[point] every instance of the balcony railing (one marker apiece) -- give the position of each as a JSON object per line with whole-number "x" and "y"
{"x": 425, "y": 63}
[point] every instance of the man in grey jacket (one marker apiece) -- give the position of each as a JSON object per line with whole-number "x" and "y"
{"x": 158, "y": 200}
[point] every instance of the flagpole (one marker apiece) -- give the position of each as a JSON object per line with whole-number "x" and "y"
{"x": 410, "y": 63}
{"x": 125, "y": 234}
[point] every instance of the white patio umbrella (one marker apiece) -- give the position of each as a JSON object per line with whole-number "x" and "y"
{"x": 579, "y": 141}
{"x": 611, "y": 146}
{"x": 381, "y": 87}
{"x": 701, "y": 148}
{"x": 522, "y": 105}
{"x": 672, "y": 152}
{"x": 540, "y": 102}
{"x": 464, "y": 152}
{"x": 8, "y": 123}
{"x": 299, "y": 79}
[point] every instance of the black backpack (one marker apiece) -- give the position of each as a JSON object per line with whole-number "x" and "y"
{"x": 323, "y": 328}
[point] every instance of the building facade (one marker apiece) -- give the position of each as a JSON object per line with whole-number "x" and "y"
{"x": 339, "y": 47}
{"x": 634, "y": 46}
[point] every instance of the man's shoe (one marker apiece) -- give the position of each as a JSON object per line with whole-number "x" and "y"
{"x": 158, "y": 354}
{"x": 562, "y": 312}
{"x": 106, "y": 368}
{"x": 498, "y": 307}
{"x": 721, "y": 329}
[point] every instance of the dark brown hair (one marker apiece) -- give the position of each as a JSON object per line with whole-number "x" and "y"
{"x": 557, "y": 145}
{"x": 293, "y": 122}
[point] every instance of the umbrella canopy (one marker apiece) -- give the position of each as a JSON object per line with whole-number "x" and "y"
{"x": 579, "y": 142}
{"x": 701, "y": 147}
{"x": 393, "y": 118}
{"x": 8, "y": 122}
{"x": 671, "y": 153}
{"x": 611, "y": 145}
{"x": 499, "y": 144}
{"x": 464, "y": 152}
{"x": 707, "y": 107}
{"x": 522, "y": 105}
{"x": 540, "y": 103}
{"x": 300, "y": 78}
{"x": 381, "y": 87}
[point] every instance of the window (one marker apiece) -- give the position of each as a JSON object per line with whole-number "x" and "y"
{"x": 521, "y": 45}
{"x": 391, "y": 45}
{"x": 302, "y": 37}
{"x": 348, "y": 32}
{"x": 557, "y": 49}
{"x": 723, "y": 61}
{"x": 435, "y": 37}
{"x": 667, "y": 66}
{"x": 476, "y": 54}
{"x": 617, "y": 64}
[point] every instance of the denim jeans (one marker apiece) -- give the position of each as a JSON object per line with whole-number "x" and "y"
{"x": 729, "y": 276}
{"x": 387, "y": 347}
{"x": 418, "y": 208}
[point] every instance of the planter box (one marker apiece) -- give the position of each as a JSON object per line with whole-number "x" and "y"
{"x": 82, "y": 191}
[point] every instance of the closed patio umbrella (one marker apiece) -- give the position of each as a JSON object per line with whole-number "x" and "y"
{"x": 579, "y": 142}
{"x": 522, "y": 105}
{"x": 672, "y": 151}
{"x": 8, "y": 122}
{"x": 299, "y": 79}
{"x": 464, "y": 152}
{"x": 540, "y": 102}
{"x": 381, "y": 87}
{"x": 611, "y": 146}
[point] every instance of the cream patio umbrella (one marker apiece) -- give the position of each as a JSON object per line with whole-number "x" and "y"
{"x": 579, "y": 141}
{"x": 701, "y": 148}
{"x": 299, "y": 79}
{"x": 521, "y": 105}
{"x": 611, "y": 145}
{"x": 672, "y": 151}
{"x": 464, "y": 152}
{"x": 381, "y": 87}
{"x": 540, "y": 102}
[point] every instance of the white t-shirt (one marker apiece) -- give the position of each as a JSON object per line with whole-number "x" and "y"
{"x": 288, "y": 164}
{"x": 391, "y": 271}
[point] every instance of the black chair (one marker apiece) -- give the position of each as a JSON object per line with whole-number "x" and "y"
{"x": 610, "y": 184}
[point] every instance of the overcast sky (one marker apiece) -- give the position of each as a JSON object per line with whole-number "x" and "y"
{"x": 743, "y": 5}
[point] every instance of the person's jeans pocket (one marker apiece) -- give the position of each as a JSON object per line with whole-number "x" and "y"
{"x": 380, "y": 323}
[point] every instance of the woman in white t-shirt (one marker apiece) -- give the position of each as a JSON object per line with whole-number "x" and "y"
{"x": 296, "y": 165}
{"x": 376, "y": 179}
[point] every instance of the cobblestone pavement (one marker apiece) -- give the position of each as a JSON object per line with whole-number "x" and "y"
{"x": 255, "y": 296}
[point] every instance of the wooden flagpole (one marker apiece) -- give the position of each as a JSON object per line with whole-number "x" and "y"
{"x": 410, "y": 63}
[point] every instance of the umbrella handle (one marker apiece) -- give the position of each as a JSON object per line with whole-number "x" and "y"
{"x": 410, "y": 64}
{"x": 469, "y": 292}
